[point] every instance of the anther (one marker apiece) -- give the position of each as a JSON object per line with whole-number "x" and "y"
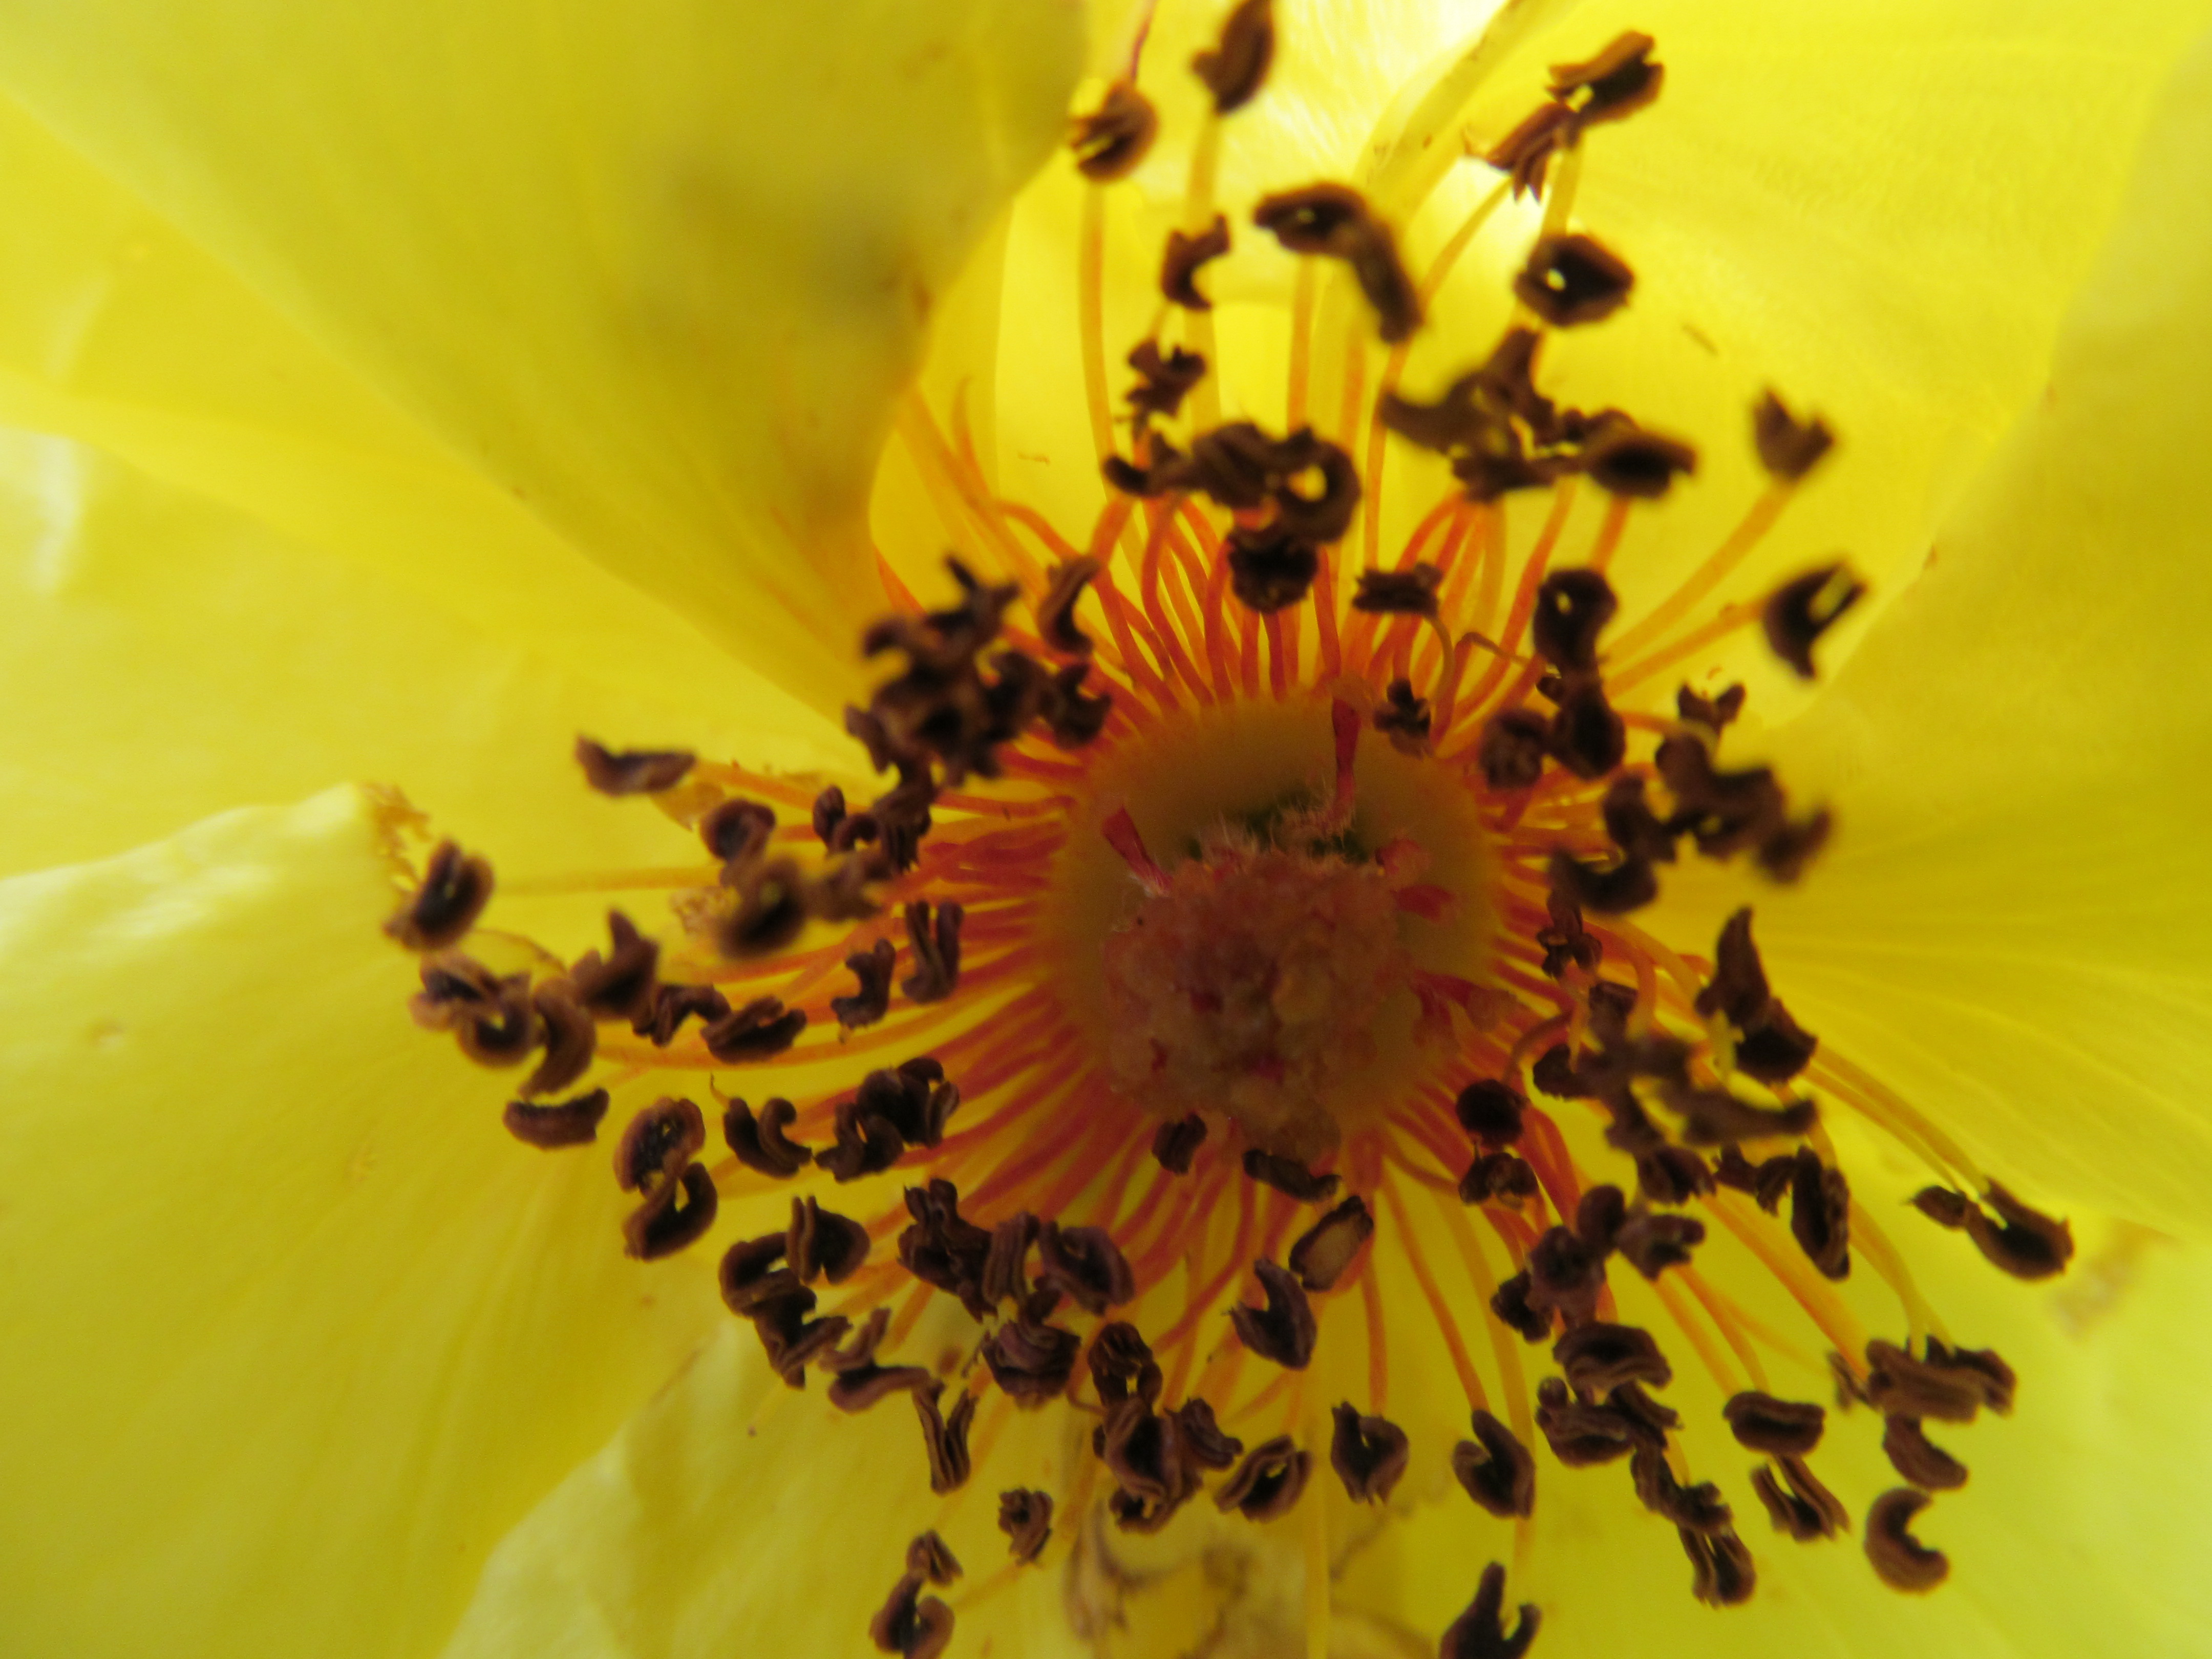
{"x": 1722, "y": 1571}
{"x": 1599, "y": 1357}
{"x": 490, "y": 1018}
{"x": 1716, "y": 713}
{"x": 931, "y": 1556}
{"x": 1512, "y": 748}
{"x": 1480, "y": 1632}
{"x": 672, "y": 1005}
{"x": 1903, "y": 1562}
{"x": 1510, "y": 1303}
{"x": 751, "y": 1278}
{"x": 454, "y": 890}
{"x": 944, "y": 1438}
{"x": 826, "y": 814}
{"x": 1565, "y": 1275}
{"x": 678, "y": 1214}
{"x": 910, "y": 1623}
{"x": 1056, "y": 612}
{"x": 738, "y": 830}
{"x": 1698, "y": 1507}
{"x": 1821, "y": 1214}
{"x": 1713, "y": 1117}
{"x": 1777, "y": 1048}
{"x": 1780, "y": 1428}
{"x": 1185, "y": 254}
{"x": 1623, "y": 458}
{"x": 1919, "y": 1459}
{"x": 1284, "y": 1330}
{"x": 1949, "y": 1385}
{"x": 1289, "y": 1176}
{"x": 1404, "y": 718}
{"x": 1586, "y": 736}
{"x": 1334, "y": 221}
{"x": 1600, "y": 1216}
{"x": 865, "y": 1143}
{"x": 1110, "y": 140}
{"x": 1325, "y": 1251}
{"x": 770, "y": 911}
{"x": 1607, "y": 890}
{"x": 1526, "y": 152}
{"x": 659, "y": 1142}
{"x": 1582, "y": 1435}
{"x": 1121, "y": 1365}
{"x": 761, "y": 1144}
{"x": 1163, "y": 382}
{"x": 1031, "y": 1361}
{"x": 1005, "y": 1264}
{"x": 1653, "y": 1243}
{"x": 1237, "y": 67}
{"x": 1144, "y": 1454}
{"x": 1573, "y": 279}
{"x": 1205, "y": 1445}
{"x": 1612, "y": 86}
{"x": 822, "y": 1244}
{"x": 936, "y": 951}
{"x": 1787, "y": 847}
{"x": 619, "y": 985}
{"x": 1805, "y": 1509}
{"x": 570, "y": 1039}
{"x": 1025, "y": 1516}
{"x": 1738, "y": 986}
{"x": 1632, "y": 825}
{"x": 1269, "y": 567}
{"x": 872, "y": 999}
{"x": 1368, "y": 1454}
{"x": 942, "y": 1249}
{"x": 1408, "y": 592}
{"x": 1489, "y": 1110}
{"x": 1496, "y": 1470}
{"x": 1765, "y": 1182}
{"x": 632, "y": 771}
{"x": 1176, "y": 1143}
{"x": 1788, "y": 448}
{"x": 2025, "y": 1242}
{"x": 1268, "y": 1482}
{"x": 760, "y": 1029}
{"x": 1085, "y": 1266}
{"x": 859, "y": 1388}
{"x": 1800, "y": 610}
{"x": 1498, "y": 1178}
{"x": 913, "y": 1097}
{"x": 571, "y": 1124}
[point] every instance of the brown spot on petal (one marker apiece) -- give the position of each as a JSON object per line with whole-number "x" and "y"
{"x": 632, "y": 771}
{"x": 1111, "y": 140}
{"x": 1025, "y": 1516}
{"x": 1599, "y": 1357}
{"x": 1778, "y": 1427}
{"x": 571, "y": 1124}
{"x": 1288, "y": 1175}
{"x": 761, "y": 1029}
{"x": 1268, "y": 1482}
{"x": 1573, "y": 279}
{"x": 1176, "y": 1143}
{"x": 1237, "y": 67}
{"x": 1902, "y": 1560}
{"x": 1802, "y": 610}
{"x": 1325, "y": 1251}
{"x": 1180, "y": 265}
{"x": 1480, "y": 1632}
{"x": 453, "y": 891}
{"x": 1805, "y": 1509}
{"x": 1788, "y": 448}
{"x": 1368, "y": 1454}
{"x": 1496, "y": 1470}
{"x": 1283, "y": 1330}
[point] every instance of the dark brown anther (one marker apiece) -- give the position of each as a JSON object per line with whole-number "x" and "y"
{"x": 1788, "y": 449}
{"x": 570, "y": 1037}
{"x": 1802, "y": 610}
{"x": 1480, "y": 1632}
{"x": 1586, "y": 736}
{"x": 1788, "y": 847}
{"x": 913, "y": 1099}
{"x": 1121, "y": 1365}
{"x": 1919, "y": 1459}
{"x": 1179, "y": 267}
{"x": 571, "y": 1124}
{"x": 1237, "y": 67}
{"x": 936, "y": 948}
{"x": 1408, "y": 592}
{"x": 1572, "y": 280}
{"x": 1288, "y": 1175}
{"x": 675, "y": 1215}
{"x": 1949, "y": 1385}
{"x": 738, "y": 830}
{"x": 454, "y": 890}
{"x": 1269, "y": 567}
{"x": 1722, "y": 1571}
{"x": 1163, "y": 382}
{"x": 866, "y": 1143}
{"x": 1565, "y": 1276}
{"x": 1368, "y": 1454}
{"x": 1268, "y": 1482}
{"x": 791, "y": 1340}
{"x": 910, "y": 1623}
{"x": 1334, "y": 221}
{"x": 1649, "y": 1422}
{"x": 770, "y": 909}
{"x": 1110, "y": 140}
{"x": 822, "y": 1244}
{"x": 1205, "y": 1445}
{"x": 1074, "y": 719}
{"x": 931, "y": 1556}
{"x": 751, "y": 1277}
{"x": 860, "y": 1387}
{"x": 1025, "y": 1516}
{"x": 1903, "y": 1562}
{"x": 1612, "y": 86}
{"x": 1176, "y": 1143}
{"x": 1510, "y": 1303}
{"x": 1582, "y": 1435}
{"x": 1713, "y": 1117}
{"x": 1489, "y": 1110}
{"x": 1571, "y": 609}
{"x": 1031, "y": 1362}
{"x": 761, "y": 1144}
{"x": 1325, "y": 515}
{"x": 827, "y": 814}
{"x": 1526, "y": 152}
{"x": 1716, "y": 714}
{"x": 1698, "y": 1508}
{"x": 1512, "y": 748}
{"x": 1326, "y": 1250}
{"x": 872, "y": 1000}
{"x": 1628, "y": 884}
{"x": 858, "y": 1355}
{"x": 2027, "y": 1243}
{"x": 1653, "y": 1243}
{"x": 1085, "y": 1266}
{"x": 1498, "y": 1178}
{"x": 1672, "y": 1176}
{"x": 1726, "y": 811}
{"x": 1144, "y": 1453}
{"x": 1283, "y": 1331}
{"x": 1633, "y": 826}
{"x": 1777, "y": 1048}
{"x": 659, "y": 1142}
{"x": 1405, "y": 718}
{"x": 1821, "y": 1214}
{"x": 1005, "y": 1265}
{"x": 1599, "y": 1216}
{"x": 1598, "y": 1357}
{"x": 491, "y": 1018}
{"x": 1565, "y": 941}
{"x": 761, "y": 1029}
{"x": 1056, "y": 612}
{"x": 942, "y": 1250}
{"x": 1738, "y": 988}
{"x": 632, "y": 771}
{"x": 1498, "y": 1472}
{"x": 1780, "y": 1428}
{"x": 619, "y": 985}
{"x": 1622, "y": 458}
{"x": 1806, "y": 1510}
{"x": 945, "y": 1438}
{"x": 672, "y": 1005}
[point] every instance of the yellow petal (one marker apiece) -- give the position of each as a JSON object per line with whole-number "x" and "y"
{"x": 295, "y": 1330}
{"x": 658, "y": 271}
{"x": 2013, "y": 927}
{"x": 183, "y": 659}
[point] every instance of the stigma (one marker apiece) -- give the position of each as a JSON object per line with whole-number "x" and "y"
{"x": 1240, "y": 910}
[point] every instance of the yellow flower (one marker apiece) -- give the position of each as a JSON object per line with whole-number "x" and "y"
{"x": 398, "y": 390}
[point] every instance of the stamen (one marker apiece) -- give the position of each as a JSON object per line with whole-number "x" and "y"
{"x": 454, "y": 890}
{"x": 1368, "y": 1454}
{"x": 632, "y": 771}
{"x": 1025, "y": 1516}
{"x": 1903, "y": 1562}
{"x": 571, "y": 1124}
{"x": 1479, "y": 1633}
